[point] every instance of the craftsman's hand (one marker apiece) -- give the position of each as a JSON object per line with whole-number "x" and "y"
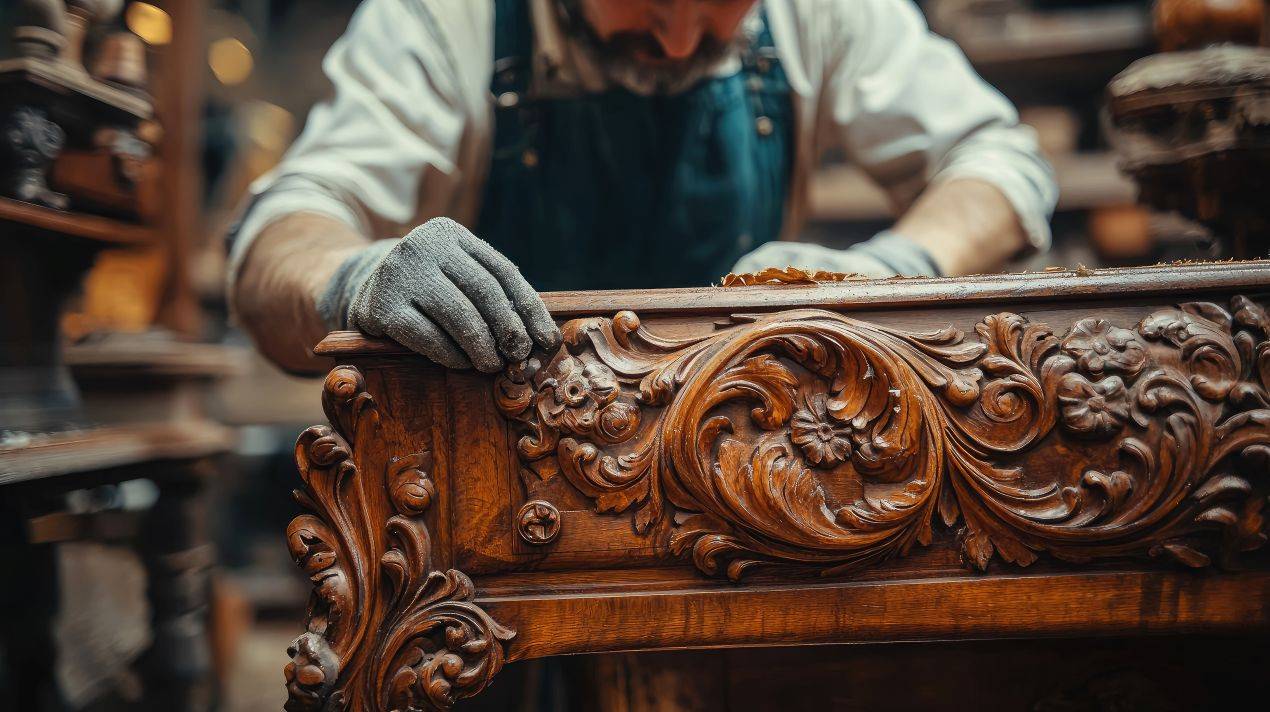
{"x": 886, "y": 255}
{"x": 444, "y": 293}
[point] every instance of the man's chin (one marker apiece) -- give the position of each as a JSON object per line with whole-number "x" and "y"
{"x": 657, "y": 61}
{"x": 657, "y": 76}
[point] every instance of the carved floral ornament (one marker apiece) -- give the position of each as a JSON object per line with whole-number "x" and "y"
{"x": 809, "y": 438}
{"x": 386, "y": 631}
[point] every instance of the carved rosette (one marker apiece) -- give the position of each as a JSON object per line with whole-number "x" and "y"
{"x": 385, "y": 630}
{"x": 813, "y": 439}
{"x": 538, "y": 522}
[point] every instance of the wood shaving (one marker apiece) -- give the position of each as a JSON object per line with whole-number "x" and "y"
{"x": 788, "y": 275}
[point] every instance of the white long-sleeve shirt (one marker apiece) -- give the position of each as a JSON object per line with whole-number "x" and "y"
{"x": 407, "y": 133}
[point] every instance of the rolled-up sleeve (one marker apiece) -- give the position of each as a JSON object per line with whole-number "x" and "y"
{"x": 391, "y": 130}
{"x": 910, "y": 111}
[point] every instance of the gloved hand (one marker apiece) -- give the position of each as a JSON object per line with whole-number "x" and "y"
{"x": 885, "y": 255}
{"x": 444, "y": 293}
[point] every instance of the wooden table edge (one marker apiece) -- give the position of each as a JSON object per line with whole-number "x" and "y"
{"x": 1185, "y": 279}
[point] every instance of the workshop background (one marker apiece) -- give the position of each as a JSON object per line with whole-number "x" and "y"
{"x": 231, "y": 83}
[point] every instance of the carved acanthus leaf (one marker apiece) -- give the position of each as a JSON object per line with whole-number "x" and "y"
{"x": 807, "y": 437}
{"x": 440, "y": 647}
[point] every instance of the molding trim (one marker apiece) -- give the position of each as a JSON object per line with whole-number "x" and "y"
{"x": 810, "y": 439}
{"x": 991, "y": 291}
{"x": 385, "y": 630}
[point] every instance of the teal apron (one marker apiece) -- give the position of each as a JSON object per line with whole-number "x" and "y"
{"x": 616, "y": 190}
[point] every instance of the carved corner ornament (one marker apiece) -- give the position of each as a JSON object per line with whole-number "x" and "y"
{"x": 386, "y": 631}
{"x": 807, "y": 438}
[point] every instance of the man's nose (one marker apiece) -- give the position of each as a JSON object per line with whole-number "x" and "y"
{"x": 678, "y": 28}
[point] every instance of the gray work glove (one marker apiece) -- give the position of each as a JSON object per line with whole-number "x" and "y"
{"x": 885, "y": 255}
{"x": 444, "y": 293}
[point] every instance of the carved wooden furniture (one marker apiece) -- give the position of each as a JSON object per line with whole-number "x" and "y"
{"x": 1192, "y": 124}
{"x": 144, "y": 399}
{"x": 1056, "y": 454}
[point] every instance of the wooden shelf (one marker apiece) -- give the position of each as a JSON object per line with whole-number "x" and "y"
{"x": 1032, "y": 36}
{"x": 60, "y": 79}
{"x": 122, "y": 356}
{"x": 1085, "y": 181}
{"x": 81, "y": 451}
{"x": 89, "y": 227}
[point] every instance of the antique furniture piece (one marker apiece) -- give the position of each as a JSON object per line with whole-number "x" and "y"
{"x": 1192, "y": 123}
{"x": 142, "y": 402}
{"x": 1067, "y": 453}
{"x": 76, "y": 180}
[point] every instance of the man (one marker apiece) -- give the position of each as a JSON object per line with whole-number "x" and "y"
{"x": 610, "y": 144}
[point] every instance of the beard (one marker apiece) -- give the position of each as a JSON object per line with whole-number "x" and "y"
{"x": 620, "y": 58}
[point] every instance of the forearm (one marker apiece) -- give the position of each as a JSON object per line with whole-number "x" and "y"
{"x": 290, "y": 262}
{"x": 966, "y": 225}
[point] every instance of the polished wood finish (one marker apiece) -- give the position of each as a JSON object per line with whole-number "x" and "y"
{"x": 862, "y": 435}
{"x": 1073, "y": 453}
{"x": 426, "y": 643}
{"x": 913, "y": 293}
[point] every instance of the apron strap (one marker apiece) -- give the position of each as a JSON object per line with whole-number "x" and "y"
{"x": 583, "y": 191}
{"x": 513, "y": 48}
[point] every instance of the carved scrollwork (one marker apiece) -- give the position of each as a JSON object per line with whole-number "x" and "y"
{"x": 810, "y": 438}
{"x": 386, "y": 631}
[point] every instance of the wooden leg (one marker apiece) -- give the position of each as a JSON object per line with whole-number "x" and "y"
{"x": 177, "y": 670}
{"x": 29, "y": 601}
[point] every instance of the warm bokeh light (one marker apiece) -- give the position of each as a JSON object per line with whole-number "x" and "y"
{"x": 150, "y": 23}
{"x": 270, "y": 126}
{"x": 230, "y": 61}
